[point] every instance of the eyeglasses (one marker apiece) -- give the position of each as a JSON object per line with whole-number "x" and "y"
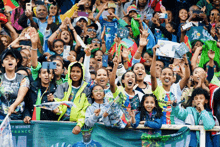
{"x": 100, "y": 90}
{"x": 91, "y": 30}
{"x": 96, "y": 41}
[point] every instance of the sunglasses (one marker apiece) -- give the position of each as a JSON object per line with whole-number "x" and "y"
{"x": 214, "y": 14}
{"x": 100, "y": 90}
{"x": 109, "y": 70}
{"x": 91, "y": 30}
{"x": 96, "y": 41}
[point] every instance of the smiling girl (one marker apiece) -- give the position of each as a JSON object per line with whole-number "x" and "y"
{"x": 98, "y": 109}
{"x": 150, "y": 114}
{"x": 168, "y": 91}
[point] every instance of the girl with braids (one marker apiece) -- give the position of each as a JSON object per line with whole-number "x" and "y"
{"x": 150, "y": 114}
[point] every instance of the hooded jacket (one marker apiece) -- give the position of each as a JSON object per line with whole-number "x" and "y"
{"x": 63, "y": 93}
{"x": 91, "y": 118}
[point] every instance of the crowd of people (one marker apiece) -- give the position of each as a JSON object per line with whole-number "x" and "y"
{"x": 101, "y": 55}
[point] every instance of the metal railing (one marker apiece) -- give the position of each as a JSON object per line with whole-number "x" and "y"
{"x": 191, "y": 127}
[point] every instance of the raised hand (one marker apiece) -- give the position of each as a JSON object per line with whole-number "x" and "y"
{"x": 211, "y": 54}
{"x": 34, "y": 36}
{"x": 143, "y": 38}
{"x": 116, "y": 60}
{"x": 50, "y": 20}
{"x": 88, "y": 49}
{"x": 28, "y": 13}
{"x": 82, "y": 2}
{"x": 155, "y": 48}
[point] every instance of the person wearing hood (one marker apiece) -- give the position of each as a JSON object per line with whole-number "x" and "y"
{"x": 13, "y": 86}
{"x": 76, "y": 91}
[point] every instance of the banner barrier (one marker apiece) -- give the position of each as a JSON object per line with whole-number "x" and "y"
{"x": 57, "y": 134}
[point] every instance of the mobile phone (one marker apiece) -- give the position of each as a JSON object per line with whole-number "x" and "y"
{"x": 188, "y": 25}
{"x": 66, "y": 51}
{"x": 39, "y": 2}
{"x": 197, "y": 11}
{"x": 49, "y": 65}
{"x": 163, "y": 15}
{"x": 83, "y": 14}
{"x": 105, "y": 60}
{"x": 105, "y": 14}
{"x": 28, "y": 7}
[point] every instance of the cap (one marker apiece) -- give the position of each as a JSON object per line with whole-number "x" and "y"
{"x": 81, "y": 17}
{"x": 130, "y": 8}
{"x": 7, "y": 52}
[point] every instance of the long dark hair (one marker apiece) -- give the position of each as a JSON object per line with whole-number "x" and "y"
{"x": 80, "y": 66}
{"x": 143, "y": 110}
{"x": 53, "y": 80}
{"x": 199, "y": 91}
{"x": 93, "y": 100}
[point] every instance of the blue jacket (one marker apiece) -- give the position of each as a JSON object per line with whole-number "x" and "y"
{"x": 151, "y": 122}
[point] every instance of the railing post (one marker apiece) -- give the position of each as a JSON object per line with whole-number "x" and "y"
{"x": 202, "y": 137}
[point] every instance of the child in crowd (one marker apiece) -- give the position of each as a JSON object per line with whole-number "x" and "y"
{"x": 150, "y": 114}
{"x": 198, "y": 112}
{"x": 58, "y": 46}
{"x": 97, "y": 112}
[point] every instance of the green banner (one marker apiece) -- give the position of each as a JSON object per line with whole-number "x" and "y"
{"x": 59, "y": 134}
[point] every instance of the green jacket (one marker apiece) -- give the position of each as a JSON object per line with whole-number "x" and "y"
{"x": 63, "y": 93}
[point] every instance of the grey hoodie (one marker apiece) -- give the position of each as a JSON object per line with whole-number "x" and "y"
{"x": 91, "y": 118}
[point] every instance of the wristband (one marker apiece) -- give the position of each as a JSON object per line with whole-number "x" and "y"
{"x": 33, "y": 49}
{"x": 186, "y": 64}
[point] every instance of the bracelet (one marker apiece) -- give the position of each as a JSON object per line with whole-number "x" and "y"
{"x": 186, "y": 64}
{"x": 59, "y": 30}
{"x": 33, "y": 49}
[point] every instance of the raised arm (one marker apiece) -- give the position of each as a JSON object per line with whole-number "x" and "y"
{"x": 113, "y": 86}
{"x": 195, "y": 57}
{"x": 34, "y": 40}
{"x": 142, "y": 43}
{"x": 103, "y": 40}
{"x": 185, "y": 79}
{"x": 55, "y": 34}
{"x": 100, "y": 12}
{"x": 12, "y": 31}
{"x": 153, "y": 69}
